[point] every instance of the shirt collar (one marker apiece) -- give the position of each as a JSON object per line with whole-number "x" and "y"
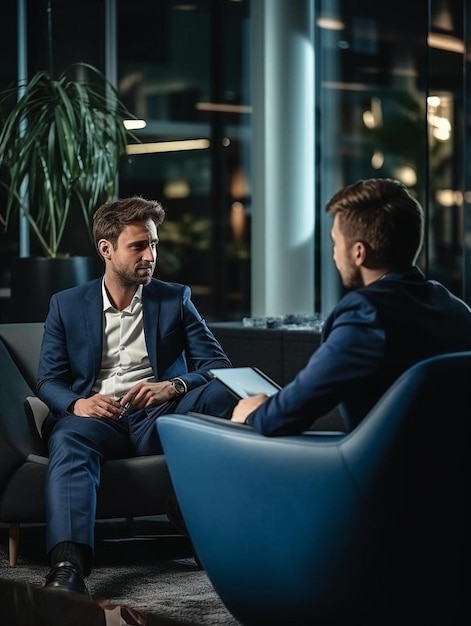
{"x": 106, "y": 301}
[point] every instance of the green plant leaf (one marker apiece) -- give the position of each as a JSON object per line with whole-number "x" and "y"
{"x": 60, "y": 149}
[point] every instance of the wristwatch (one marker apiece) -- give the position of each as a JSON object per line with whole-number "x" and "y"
{"x": 179, "y": 385}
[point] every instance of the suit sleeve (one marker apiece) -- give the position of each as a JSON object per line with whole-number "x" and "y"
{"x": 55, "y": 376}
{"x": 351, "y": 351}
{"x": 201, "y": 349}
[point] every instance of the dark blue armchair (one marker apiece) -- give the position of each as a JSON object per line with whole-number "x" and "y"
{"x": 360, "y": 528}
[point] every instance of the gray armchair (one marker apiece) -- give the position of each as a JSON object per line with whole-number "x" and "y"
{"x": 360, "y": 528}
{"x": 129, "y": 488}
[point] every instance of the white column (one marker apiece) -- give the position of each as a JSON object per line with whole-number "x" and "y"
{"x": 283, "y": 157}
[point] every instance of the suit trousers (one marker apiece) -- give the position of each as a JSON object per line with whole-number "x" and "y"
{"x": 78, "y": 446}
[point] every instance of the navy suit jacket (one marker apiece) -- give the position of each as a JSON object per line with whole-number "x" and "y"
{"x": 178, "y": 341}
{"x": 373, "y": 335}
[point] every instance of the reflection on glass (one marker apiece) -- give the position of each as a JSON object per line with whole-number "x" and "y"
{"x": 391, "y": 105}
{"x": 185, "y": 73}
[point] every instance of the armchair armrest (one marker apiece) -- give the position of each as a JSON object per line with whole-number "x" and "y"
{"x": 37, "y": 410}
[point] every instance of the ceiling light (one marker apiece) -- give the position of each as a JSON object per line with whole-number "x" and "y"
{"x": 330, "y": 23}
{"x": 223, "y": 108}
{"x": 134, "y": 124}
{"x": 445, "y": 42}
{"x": 167, "y": 146}
{"x": 442, "y": 18}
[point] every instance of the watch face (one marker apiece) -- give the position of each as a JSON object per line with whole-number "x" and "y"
{"x": 178, "y": 386}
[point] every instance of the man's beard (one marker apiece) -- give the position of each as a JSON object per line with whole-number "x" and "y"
{"x": 135, "y": 278}
{"x": 353, "y": 279}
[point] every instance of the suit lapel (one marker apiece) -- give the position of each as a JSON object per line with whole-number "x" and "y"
{"x": 94, "y": 320}
{"x": 151, "y": 312}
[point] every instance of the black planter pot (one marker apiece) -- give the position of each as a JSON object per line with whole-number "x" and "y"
{"x": 35, "y": 279}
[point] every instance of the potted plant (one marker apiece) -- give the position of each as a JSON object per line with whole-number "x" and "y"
{"x": 60, "y": 148}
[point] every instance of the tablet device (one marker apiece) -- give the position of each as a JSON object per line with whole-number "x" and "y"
{"x": 245, "y": 381}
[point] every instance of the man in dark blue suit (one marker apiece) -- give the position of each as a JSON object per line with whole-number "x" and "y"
{"x": 390, "y": 318}
{"x": 117, "y": 352}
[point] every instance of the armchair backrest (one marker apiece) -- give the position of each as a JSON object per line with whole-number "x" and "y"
{"x": 24, "y": 344}
{"x": 409, "y": 460}
{"x": 19, "y": 437}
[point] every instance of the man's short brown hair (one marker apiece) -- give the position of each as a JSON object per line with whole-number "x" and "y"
{"x": 111, "y": 218}
{"x": 382, "y": 213}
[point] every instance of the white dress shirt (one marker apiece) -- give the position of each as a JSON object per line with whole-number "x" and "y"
{"x": 124, "y": 360}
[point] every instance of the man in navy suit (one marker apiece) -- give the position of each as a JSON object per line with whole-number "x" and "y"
{"x": 390, "y": 318}
{"x": 117, "y": 352}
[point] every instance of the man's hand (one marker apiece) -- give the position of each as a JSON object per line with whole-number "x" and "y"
{"x": 141, "y": 396}
{"x": 245, "y": 406}
{"x": 100, "y": 406}
{"x": 145, "y": 394}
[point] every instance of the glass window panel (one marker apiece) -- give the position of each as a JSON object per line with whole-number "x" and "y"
{"x": 391, "y": 105}
{"x": 184, "y": 73}
{"x": 392, "y": 99}
{"x": 445, "y": 143}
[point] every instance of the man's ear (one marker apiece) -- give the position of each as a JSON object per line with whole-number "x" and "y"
{"x": 104, "y": 247}
{"x": 359, "y": 253}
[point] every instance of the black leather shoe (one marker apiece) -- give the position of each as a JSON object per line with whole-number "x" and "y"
{"x": 65, "y": 576}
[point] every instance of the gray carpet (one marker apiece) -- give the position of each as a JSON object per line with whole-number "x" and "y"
{"x": 147, "y": 567}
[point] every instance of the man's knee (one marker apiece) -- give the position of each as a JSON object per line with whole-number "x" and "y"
{"x": 73, "y": 433}
{"x": 216, "y": 400}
